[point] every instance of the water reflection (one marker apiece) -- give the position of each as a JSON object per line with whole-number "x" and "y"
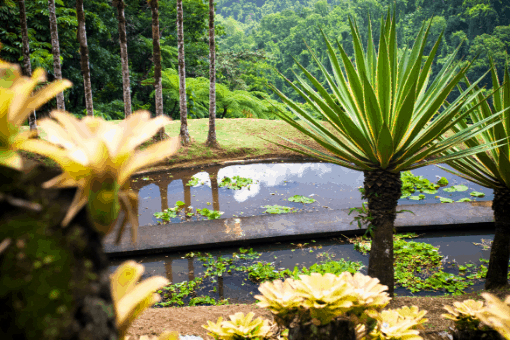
{"x": 332, "y": 186}
{"x": 457, "y": 248}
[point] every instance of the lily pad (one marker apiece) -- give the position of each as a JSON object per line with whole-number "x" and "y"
{"x": 301, "y": 199}
{"x": 277, "y": 209}
{"x": 465, "y": 199}
{"x": 416, "y": 198}
{"x": 445, "y": 200}
{"x": 442, "y": 181}
{"x": 455, "y": 188}
{"x": 477, "y": 194}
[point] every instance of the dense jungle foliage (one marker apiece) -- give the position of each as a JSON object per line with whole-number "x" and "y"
{"x": 252, "y": 37}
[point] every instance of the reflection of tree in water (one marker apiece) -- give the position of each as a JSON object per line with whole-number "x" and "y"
{"x": 163, "y": 186}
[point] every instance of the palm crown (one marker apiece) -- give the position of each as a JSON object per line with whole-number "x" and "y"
{"x": 381, "y": 108}
{"x": 489, "y": 169}
{"x": 386, "y": 103}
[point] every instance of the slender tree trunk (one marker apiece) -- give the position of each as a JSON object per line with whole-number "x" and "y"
{"x": 497, "y": 273}
{"x": 126, "y": 91}
{"x": 55, "y": 49}
{"x": 185, "y": 138}
{"x": 156, "y": 51}
{"x": 84, "y": 53}
{"x": 383, "y": 190}
{"x": 26, "y": 54}
{"x": 211, "y": 137}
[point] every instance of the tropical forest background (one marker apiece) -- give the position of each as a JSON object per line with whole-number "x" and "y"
{"x": 253, "y": 39}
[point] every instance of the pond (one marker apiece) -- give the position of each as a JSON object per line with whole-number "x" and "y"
{"x": 452, "y": 261}
{"x": 226, "y": 191}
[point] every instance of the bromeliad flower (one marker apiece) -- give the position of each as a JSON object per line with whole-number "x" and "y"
{"x": 131, "y": 299}
{"x": 391, "y": 325}
{"x": 99, "y": 157}
{"x": 16, "y": 104}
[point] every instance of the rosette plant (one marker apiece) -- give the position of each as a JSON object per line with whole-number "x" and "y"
{"x": 465, "y": 314}
{"x": 392, "y": 325}
{"x": 386, "y": 99}
{"x": 491, "y": 169}
{"x": 240, "y": 327}
{"x": 314, "y": 306}
{"x": 497, "y": 314}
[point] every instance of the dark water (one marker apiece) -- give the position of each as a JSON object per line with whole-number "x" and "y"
{"x": 455, "y": 247}
{"x": 331, "y": 185}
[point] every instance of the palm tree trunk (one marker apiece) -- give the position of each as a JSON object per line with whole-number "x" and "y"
{"x": 383, "y": 190}
{"x": 55, "y": 49}
{"x": 84, "y": 54}
{"x": 59, "y": 274}
{"x": 156, "y": 52}
{"x": 26, "y": 54}
{"x": 185, "y": 138}
{"x": 497, "y": 274}
{"x": 126, "y": 91}
{"x": 211, "y": 137}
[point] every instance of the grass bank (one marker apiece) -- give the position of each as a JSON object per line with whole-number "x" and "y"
{"x": 238, "y": 140}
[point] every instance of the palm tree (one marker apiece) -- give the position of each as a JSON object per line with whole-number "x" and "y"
{"x": 84, "y": 55}
{"x": 386, "y": 102}
{"x": 55, "y": 49}
{"x": 26, "y": 54}
{"x": 185, "y": 137}
{"x": 156, "y": 52}
{"x": 491, "y": 170}
{"x": 126, "y": 93}
{"x": 211, "y": 137}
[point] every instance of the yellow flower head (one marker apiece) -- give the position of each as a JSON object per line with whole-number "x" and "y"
{"x": 131, "y": 299}
{"x": 17, "y": 102}
{"x": 391, "y": 325}
{"x": 99, "y": 157}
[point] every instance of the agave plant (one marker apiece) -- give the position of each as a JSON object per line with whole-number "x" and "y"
{"x": 491, "y": 170}
{"x": 386, "y": 100}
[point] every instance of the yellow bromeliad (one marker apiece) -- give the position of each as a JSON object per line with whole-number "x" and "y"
{"x": 16, "y": 104}
{"x": 98, "y": 157}
{"x": 131, "y": 299}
